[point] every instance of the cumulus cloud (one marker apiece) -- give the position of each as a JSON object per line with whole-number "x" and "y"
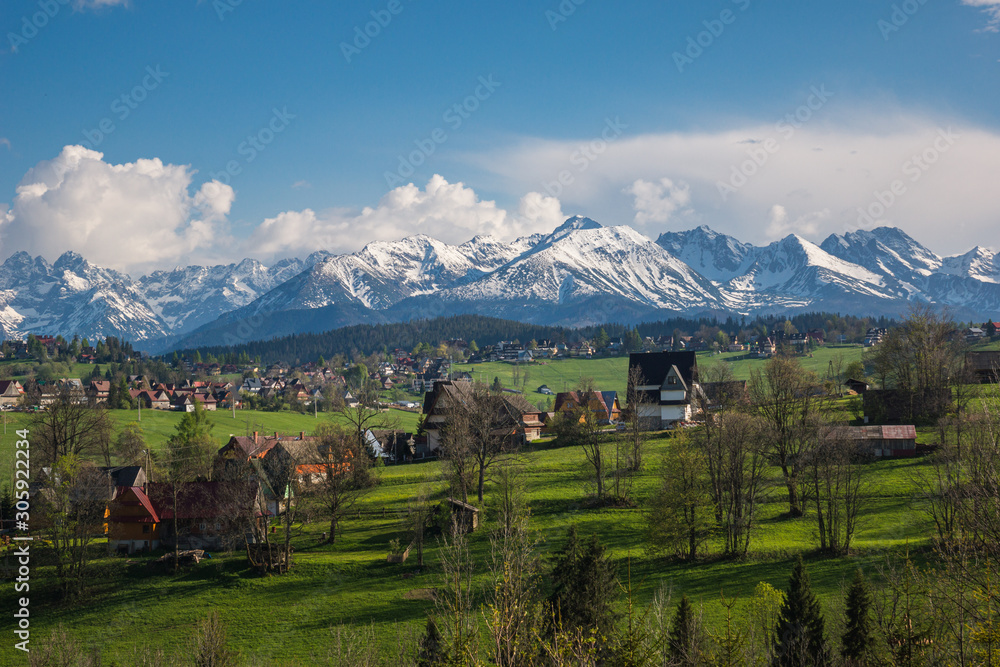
{"x": 992, "y": 8}
{"x": 129, "y": 216}
{"x": 657, "y": 202}
{"x": 945, "y": 169}
{"x": 779, "y": 225}
{"x": 450, "y": 212}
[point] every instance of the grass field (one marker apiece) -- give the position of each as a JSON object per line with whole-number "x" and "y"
{"x": 158, "y": 425}
{"x": 287, "y": 619}
{"x": 611, "y": 374}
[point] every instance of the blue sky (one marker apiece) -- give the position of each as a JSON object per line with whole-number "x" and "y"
{"x": 339, "y": 122}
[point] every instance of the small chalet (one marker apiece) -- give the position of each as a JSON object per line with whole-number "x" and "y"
{"x": 466, "y": 516}
{"x": 985, "y": 366}
{"x": 604, "y": 404}
{"x": 521, "y": 420}
{"x": 210, "y": 515}
{"x": 100, "y": 389}
{"x": 885, "y": 441}
{"x": 133, "y": 522}
{"x": 670, "y": 385}
{"x": 11, "y": 392}
{"x": 857, "y": 386}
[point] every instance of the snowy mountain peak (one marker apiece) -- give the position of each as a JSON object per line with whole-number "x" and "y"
{"x": 980, "y": 264}
{"x": 71, "y": 261}
{"x": 716, "y": 256}
{"x": 887, "y": 251}
{"x": 576, "y": 223}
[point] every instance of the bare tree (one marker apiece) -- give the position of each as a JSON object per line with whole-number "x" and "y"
{"x": 837, "y": 476}
{"x": 679, "y": 518}
{"x": 742, "y": 466}
{"x": 345, "y": 475}
{"x": 366, "y": 413}
{"x": 455, "y": 615}
{"x": 72, "y": 504}
{"x": 785, "y": 394}
{"x": 481, "y": 431}
{"x": 634, "y": 434}
{"x": 513, "y": 611}
{"x": 581, "y": 427}
{"x": 721, "y": 395}
{"x": 209, "y": 644}
{"x": 130, "y": 445}
{"x": 69, "y": 428}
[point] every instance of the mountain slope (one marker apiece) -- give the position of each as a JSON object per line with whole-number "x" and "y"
{"x": 580, "y": 273}
{"x": 716, "y": 256}
{"x": 72, "y": 296}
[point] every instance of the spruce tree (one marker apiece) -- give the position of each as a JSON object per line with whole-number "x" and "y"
{"x": 683, "y": 642}
{"x": 798, "y": 635}
{"x": 584, "y": 586}
{"x": 432, "y": 647}
{"x": 859, "y": 635}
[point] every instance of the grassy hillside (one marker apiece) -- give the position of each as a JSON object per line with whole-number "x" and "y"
{"x": 159, "y": 425}
{"x": 611, "y": 374}
{"x": 287, "y": 619}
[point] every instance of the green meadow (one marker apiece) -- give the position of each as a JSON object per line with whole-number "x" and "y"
{"x": 287, "y": 620}
{"x": 611, "y": 374}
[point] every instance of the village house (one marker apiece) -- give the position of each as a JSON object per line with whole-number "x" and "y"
{"x": 603, "y": 404}
{"x": 670, "y": 386}
{"x": 521, "y": 421}
{"x": 99, "y": 390}
{"x": 11, "y": 392}
{"x": 884, "y": 441}
{"x": 210, "y": 515}
{"x": 391, "y": 445}
{"x": 984, "y": 365}
{"x": 133, "y": 524}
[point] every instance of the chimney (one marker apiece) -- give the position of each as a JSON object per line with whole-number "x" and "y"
{"x": 275, "y": 435}
{"x": 255, "y": 437}
{"x": 302, "y": 435}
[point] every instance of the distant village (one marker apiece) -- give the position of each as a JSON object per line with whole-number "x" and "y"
{"x": 404, "y": 376}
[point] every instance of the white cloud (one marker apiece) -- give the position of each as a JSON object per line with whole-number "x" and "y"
{"x": 991, "y": 7}
{"x": 301, "y": 185}
{"x": 98, "y": 4}
{"x": 130, "y": 216}
{"x": 450, "y": 212}
{"x": 4, "y": 141}
{"x": 779, "y": 226}
{"x": 657, "y": 202}
{"x": 949, "y": 202}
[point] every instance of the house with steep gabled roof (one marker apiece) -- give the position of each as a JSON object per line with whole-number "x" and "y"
{"x": 520, "y": 420}
{"x": 133, "y": 522}
{"x": 11, "y": 392}
{"x": 669, "y": 386}
{"x": 604, "y": 404}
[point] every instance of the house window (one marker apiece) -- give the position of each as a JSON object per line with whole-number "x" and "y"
{"x": 671, "y": 380}
{"x": 201, "y": 527}
{"x": 218, "y": 525}
{"x": 145, "y": 528}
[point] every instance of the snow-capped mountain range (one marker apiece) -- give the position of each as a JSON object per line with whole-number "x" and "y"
{"x": 581, "y": 273}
